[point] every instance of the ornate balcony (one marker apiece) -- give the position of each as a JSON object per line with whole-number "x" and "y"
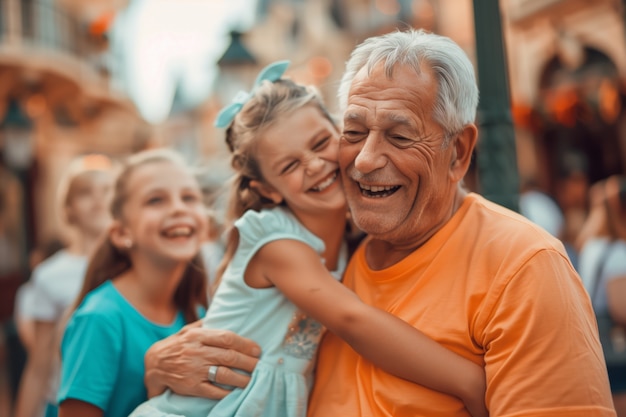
{"x": 47, "y": 52}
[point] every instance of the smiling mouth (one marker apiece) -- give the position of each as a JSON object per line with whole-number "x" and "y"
{"x": 377, "y": 191}
{"x": 178, "y": 231}
{"x": 325, "y": 183}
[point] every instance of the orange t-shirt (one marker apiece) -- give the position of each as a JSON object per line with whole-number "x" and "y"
{"x": 494, "y": 288}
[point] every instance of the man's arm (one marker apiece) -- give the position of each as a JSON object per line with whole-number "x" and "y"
{"x": 181, "y": 362}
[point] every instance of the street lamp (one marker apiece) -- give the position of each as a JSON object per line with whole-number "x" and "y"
{"x": 16, "y": 134}
{"x": 496, "y": 153}
{"x": 17, "y": 129}
{"x": 237, "y": 68}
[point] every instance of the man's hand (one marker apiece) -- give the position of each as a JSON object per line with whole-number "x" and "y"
{"x": 181, "y": 362}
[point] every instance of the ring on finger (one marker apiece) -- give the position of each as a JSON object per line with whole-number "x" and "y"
{"x": 213, "y": 373}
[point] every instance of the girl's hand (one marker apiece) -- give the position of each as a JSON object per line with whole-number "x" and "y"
{"x": 181, "y": 362}
{"x": 476, "y": 407}
{"x": 473, "y": 395}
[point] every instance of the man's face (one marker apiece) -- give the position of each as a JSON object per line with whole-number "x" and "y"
{"x": 395, "y": 170}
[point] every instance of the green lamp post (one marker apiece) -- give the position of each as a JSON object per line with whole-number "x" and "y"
{"x": 498, "y": 177}
{"x": 236, "y": 69}
{"x": 16, "y": 129}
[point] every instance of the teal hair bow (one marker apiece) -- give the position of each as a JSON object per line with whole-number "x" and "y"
{"x": 272, "y": 73}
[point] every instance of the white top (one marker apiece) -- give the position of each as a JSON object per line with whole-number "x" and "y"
{"x": 23, "y": 299}
{"x": 542, "y": 210}
{"x": 591, "y": 255}
{"x": 212, "y": 254}
{"x": 56, "y": 284}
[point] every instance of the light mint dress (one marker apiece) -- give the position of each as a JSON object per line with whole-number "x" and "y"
{"x": 281, "y": 382}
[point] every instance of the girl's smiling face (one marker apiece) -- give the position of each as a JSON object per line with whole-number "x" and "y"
{"x": 87, "y": 202}
{"x": 163, "y": 217}
{"x": 298, "y": 160}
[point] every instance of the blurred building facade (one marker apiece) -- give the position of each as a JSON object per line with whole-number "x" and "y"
{"x": 58, "y": 99}
{"x": 567, "y": 66}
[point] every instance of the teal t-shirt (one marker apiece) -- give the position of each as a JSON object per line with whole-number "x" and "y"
{"x": 102, "y": 352}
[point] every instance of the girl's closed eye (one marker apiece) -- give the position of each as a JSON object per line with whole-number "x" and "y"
{"x": 321, "y": 144}
{"x": 290, "y": 166}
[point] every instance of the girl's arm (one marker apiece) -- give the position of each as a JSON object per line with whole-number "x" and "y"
{"x": 34, "y": 384}
{"x": 76, "y": 408}
{"x": 385, "y": 340}
{"x": 616, "y": 294}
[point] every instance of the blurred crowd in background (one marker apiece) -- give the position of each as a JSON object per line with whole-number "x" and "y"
{"x": 104, "y": 79}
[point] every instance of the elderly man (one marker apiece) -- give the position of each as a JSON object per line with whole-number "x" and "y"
{"x": 476, "y": 277}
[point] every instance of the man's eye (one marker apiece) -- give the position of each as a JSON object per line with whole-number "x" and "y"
{"x": 401, "y": 141}
{"x": 352, "y": 136}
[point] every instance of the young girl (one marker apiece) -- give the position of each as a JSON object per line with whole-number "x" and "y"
{"x": 276, "y": 289}
{"x": 83, "y": 197}
{"x": 144, "y": 283}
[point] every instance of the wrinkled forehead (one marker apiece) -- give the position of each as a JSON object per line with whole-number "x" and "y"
{"x": 402, "y": 97}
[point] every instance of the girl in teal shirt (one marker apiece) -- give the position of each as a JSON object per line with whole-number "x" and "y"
{"x": 144, "y": 283}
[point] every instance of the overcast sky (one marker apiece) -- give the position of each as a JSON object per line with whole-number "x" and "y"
{"x": 165, "y": 42}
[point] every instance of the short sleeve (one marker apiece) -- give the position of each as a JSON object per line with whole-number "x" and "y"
{"x": 42, "y": 305}
{"x": 615, "y": 267}
{"x": 259, "y": 228}
{"x": 24, "y": 301}
{"x": 90, "y": 359}
{"x": 542, "y": 315}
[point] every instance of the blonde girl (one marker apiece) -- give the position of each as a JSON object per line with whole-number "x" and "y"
{"x": 144, "y": 282}
{"x": 284, "y": 260}
{"x": 83, "y": 197}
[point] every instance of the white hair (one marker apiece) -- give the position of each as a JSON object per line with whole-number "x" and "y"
{"x": 457, "y": 93}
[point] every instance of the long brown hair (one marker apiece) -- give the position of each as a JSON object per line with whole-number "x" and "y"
{"x": 108, "y": 261}
{"x": 615, "y": 206}
{"x": 607, "y": 211}
{"x": 269, "y": 102}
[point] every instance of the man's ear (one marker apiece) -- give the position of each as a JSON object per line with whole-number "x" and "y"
{"x": 463, "y": 146}
{"x": 266, "y": 191}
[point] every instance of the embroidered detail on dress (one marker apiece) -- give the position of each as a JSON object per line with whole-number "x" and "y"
{"x": 303, "y": 336}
